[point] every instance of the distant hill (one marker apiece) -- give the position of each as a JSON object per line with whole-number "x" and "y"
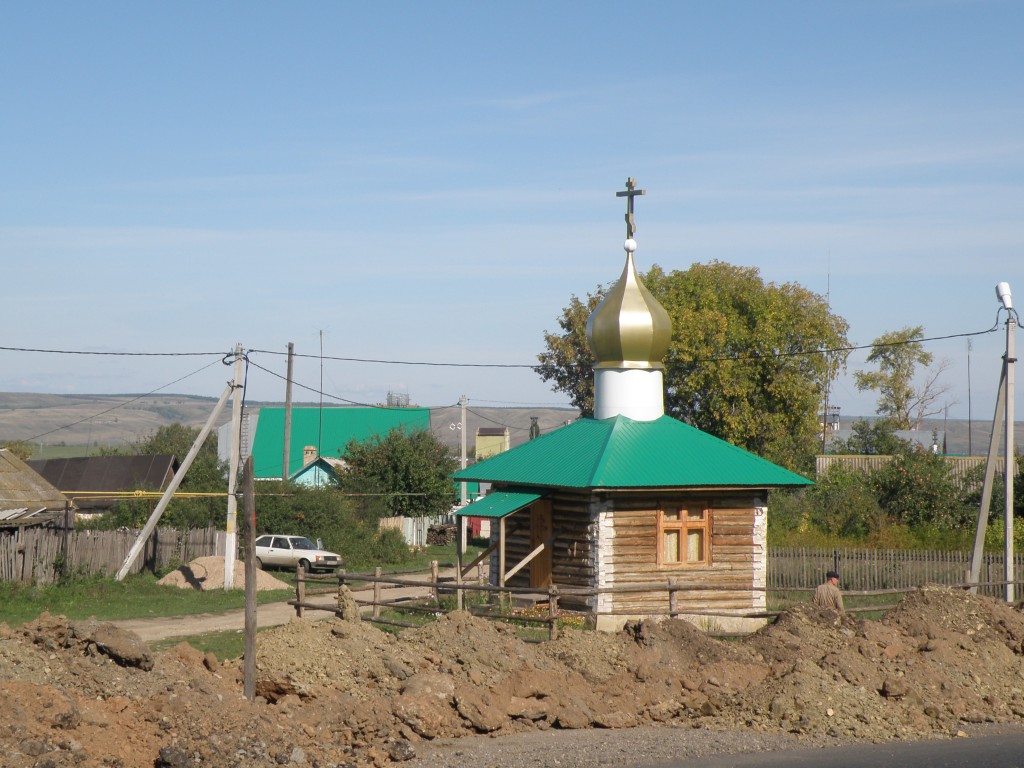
{"x": 82, "y": 423}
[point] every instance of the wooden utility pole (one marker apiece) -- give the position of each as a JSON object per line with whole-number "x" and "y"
{"x": 249, "y": 545}
{"x": 231, "y": 540}
{"x": 154, "y": 518}
{"x": 288, "y": 412}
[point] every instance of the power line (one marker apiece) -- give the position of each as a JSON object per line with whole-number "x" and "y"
{"x": 532, "y": 366}
{"x": 317, "y": 391}
{"x": 399, "y": 362}
{"x": 112, "y": 354}
{"x": 120, "y": 405}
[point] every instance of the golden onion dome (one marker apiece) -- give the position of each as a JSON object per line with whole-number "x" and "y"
{"x": 629, "y": 328}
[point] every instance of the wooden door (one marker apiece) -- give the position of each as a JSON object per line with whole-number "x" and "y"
{"x": 540, "y": 532}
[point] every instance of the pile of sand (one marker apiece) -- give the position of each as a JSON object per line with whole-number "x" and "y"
{"x": 208, "y": 573}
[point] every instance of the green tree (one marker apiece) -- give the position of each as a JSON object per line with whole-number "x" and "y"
{"x": 401, "y": 473}
{"x": 327, "y": 514}
{"x": 745, "y": 363}
{"x": 207, "y": 474}
{"x": 917, "y": 489}
{"x": 841, "y": 504}
{"x": 898, "y": 355}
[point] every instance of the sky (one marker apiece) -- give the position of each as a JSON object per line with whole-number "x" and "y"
{"x": 430, "y": 183}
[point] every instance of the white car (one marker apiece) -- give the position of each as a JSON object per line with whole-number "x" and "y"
{"x": 292, "y": 551}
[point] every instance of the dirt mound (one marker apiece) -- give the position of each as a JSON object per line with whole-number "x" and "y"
{"x": 335, "y": 692}
{"x": 206, "y": 573}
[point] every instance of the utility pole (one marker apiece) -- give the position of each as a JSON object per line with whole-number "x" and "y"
{"x": 249, "y": 542}
{"x": 154, "y": 518}
{"x": 462, "y": 437}
{"x": 463, "y": 539}
{"x": 231, "y": 541}
{"x": 1004, "y": 411}
{"x": 1009, "y": 454}
{"x": 288, "y": 412}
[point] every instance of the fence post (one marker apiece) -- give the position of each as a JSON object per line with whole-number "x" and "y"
{"x": 376, "y": 592}
{"x": 300, "y": 590}
{"x": 458, "y": 587}
{"x": 673, "y": 599}
{"x": 436, "y": 589}
{"x": 553, "y": 612}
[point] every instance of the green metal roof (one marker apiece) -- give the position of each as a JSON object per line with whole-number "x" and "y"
{"x": 499, "y": 504}
{"x": 623, "y": 453}
{"x": 330, "y": 428}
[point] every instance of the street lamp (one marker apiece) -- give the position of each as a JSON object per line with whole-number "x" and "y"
{"x": 1003, "y": 294}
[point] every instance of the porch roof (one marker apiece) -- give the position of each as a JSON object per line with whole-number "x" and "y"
{"x": 499, "y": 504}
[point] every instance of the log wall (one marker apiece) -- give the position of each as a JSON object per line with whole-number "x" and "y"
{"x": 609, "y": 540}
{"x": 737, "y": 556}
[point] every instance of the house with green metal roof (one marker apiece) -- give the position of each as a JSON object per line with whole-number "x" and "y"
{"x": 322, "y": 432}
{"x": 632, "y": 513}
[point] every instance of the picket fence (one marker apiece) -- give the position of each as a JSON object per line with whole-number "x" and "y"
{"x": 870, "y": 569}
{"x": 414, "y": 529}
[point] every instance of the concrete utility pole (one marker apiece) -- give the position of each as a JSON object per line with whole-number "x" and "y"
{"x": 463, "y": 538}
{"x": 288, "y": 412}
{"x": 462, "y": 437}
{"x": 1009, "y": 453}
{"x": 1004, "y": 412}
{"x": 231, "y": 542}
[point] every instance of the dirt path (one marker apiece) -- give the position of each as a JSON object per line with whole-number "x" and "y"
{"x": 267, "y": 615}
{"x": 163, "y": 627}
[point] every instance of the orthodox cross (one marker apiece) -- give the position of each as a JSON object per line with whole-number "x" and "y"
{"x": 629, "y": 194}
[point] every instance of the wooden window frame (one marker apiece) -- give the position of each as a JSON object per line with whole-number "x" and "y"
{"x": 684, "y": 525}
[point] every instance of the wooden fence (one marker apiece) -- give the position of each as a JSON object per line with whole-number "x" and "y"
{"x": 500, "y": 601}
{"x": 43, "y": 555}
{"x": 414, "y": 529}
{"x": 874, "y": 569}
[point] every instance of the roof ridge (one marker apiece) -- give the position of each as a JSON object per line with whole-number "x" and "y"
{"x": 603, "y": 454}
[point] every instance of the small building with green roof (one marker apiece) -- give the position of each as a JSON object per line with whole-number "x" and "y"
{"x": 613, "y": 508}
{"x": 317, "y": 432}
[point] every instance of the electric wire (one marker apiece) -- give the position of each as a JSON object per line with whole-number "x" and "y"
{"x": 316, "y": 391}
{"x": 112, "y": 354}
{"x": 121, "y": 405}
{"x": 223, "y": 357}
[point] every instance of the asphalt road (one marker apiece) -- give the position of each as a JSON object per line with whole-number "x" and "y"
{"x": 1001, "y": 750}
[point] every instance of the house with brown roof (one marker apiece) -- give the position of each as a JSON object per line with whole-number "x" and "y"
{"x": 26, "y": 498}
{"x": 96, "y": 483}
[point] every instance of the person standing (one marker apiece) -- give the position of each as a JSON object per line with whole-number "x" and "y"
{"x": 828, "y": 595}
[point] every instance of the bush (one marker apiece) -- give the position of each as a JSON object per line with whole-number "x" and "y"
{"x": 841, "y": 504}
{"x": 844, "y": 504}
{"x": 917, "y": 489}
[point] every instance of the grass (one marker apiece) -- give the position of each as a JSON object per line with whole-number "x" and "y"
{"x": 137, "y": 597}
{"x": 140, "y": 597}
{"x": 229, "y": 644}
